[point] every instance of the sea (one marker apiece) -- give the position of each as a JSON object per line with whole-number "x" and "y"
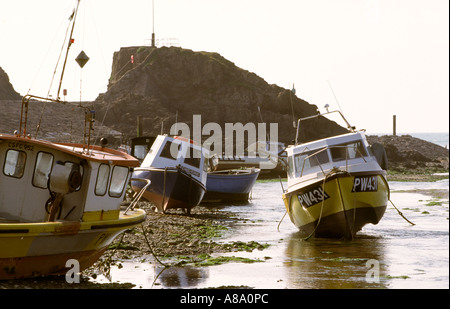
{"x": 394, "y": 254}
{"x": 439, "y": 138}
{"x": 436, "y": 138}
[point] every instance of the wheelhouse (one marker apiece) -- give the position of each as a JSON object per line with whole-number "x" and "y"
{"x": 91, "y": 186}
{"x": 177, "y": 151}
{"x": 345, "y": 152}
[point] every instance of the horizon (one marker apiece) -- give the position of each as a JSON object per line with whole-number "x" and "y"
{"x": 371, "y": 59}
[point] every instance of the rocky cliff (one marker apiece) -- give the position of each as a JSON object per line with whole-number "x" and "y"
{"x": 7, "y": 91}
{"x": 165, "y": 85}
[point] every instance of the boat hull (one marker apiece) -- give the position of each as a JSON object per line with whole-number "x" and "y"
{"x": 334, "y": 208}
{"x": 39, "y": 249}
{"x": 230, "y": 186}
{"x": 169, "y": 188}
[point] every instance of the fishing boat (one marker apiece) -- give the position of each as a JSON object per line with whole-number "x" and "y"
{"x": 336, "y": 185}
{"x": 176, "y": 167}
{"x": 230, "y": 185}
{"x": 60, "y": 202}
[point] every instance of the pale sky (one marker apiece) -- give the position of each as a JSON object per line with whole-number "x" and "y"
{"x": 380, "y": 57}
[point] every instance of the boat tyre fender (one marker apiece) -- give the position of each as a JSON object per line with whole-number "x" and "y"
{"x": 380, "y": 154}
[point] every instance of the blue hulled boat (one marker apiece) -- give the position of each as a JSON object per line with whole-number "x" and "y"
{"x": 230, "y": 185}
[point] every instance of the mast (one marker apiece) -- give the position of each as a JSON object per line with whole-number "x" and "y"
{"x": 74, "y": 15}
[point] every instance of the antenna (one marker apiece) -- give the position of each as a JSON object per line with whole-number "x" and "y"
{"x": 294, "y": 124}
{"x": 153, "y": 18}
{"x": 335, "y": 98}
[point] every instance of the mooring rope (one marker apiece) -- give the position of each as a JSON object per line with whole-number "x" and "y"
{"x": 321, "y": 207}
{"x": 151, "y": 248}
{"x": 321, "y": 210}
{"x": 350, "y": 227}
{"x": 106, "y": 263}
{"x": 400, "y": 213}
{"x": 278, "y": 227}
{"x": 164, "y": 190}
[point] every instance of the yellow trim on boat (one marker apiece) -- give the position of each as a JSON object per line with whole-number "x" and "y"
{"x": 100, "y": 215}
{"x": 26, "y": 229}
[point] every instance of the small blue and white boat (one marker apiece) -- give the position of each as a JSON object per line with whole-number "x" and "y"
{"x": 232, "y": 185}
{"x": 177, "y": 169}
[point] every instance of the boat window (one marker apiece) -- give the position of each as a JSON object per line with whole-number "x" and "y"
{"x": 170, "y": 150}
{"x": 309, "y": 159}
{"x": 14, "y": 163}
{"x": 348, "y": 151}
{"x": 118, "y": 180}
{"x": 290, "y": 167}
{"x": 42, "y": 169}
{"x": 194, "y": 157}
{"x": 140, "y": 151}
{"x": 102, "y": 179}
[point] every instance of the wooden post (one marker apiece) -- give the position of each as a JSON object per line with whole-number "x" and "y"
{"x": 395, "y": 125}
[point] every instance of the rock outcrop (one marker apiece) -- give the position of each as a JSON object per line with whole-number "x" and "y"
{"x": 409, "y": 154}
{"x": 165, "y": 85}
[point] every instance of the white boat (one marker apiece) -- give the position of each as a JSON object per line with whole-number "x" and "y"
{"x": 177, "y": 169}
{"x": 336, "y": 185}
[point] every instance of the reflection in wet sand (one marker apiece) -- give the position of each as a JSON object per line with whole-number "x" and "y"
{"x": 181, "y": 277}
{"x": 334, "y": 264}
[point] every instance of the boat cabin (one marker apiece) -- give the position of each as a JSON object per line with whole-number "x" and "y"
{"x": 313, "y": 159}
{"x": 140, "y": 146}
{"x": 35, "y": 174}
{"x": 178, "y": 151}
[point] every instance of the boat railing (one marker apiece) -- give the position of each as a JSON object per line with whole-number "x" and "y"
{"x": 315, "y": 156}
{"x": 349, "y": 127}
{"x": 138, "y": 196}
{"x": 88, "y": 121}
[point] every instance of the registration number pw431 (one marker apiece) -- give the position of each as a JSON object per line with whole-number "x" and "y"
{"x": 365, "y": 184}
